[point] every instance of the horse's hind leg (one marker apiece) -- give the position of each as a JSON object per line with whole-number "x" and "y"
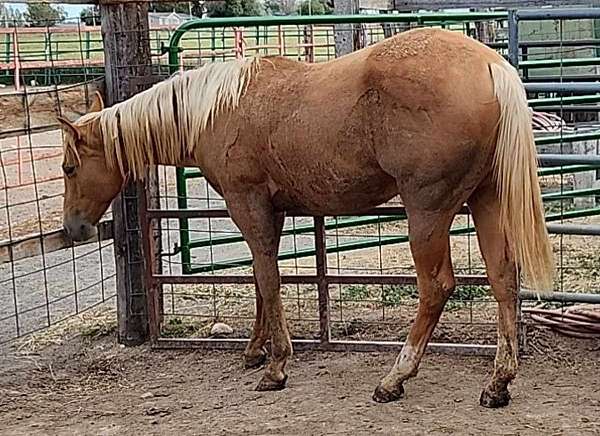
{"x": 255, "y": 354}
{"x": 430, "y": 246}
{"x": 502, "y": 275}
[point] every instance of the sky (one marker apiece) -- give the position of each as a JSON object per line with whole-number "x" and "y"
{"x": 71, "y": 10}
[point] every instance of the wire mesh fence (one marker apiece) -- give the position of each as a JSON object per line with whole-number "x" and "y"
{"x": 366, "y": 244}
{"x": 46, "y": 72}
{"x": 43, "y": 277}
{"x": 45, "y": 280}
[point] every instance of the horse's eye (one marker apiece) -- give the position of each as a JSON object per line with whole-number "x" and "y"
{"x": 69, "y": 170}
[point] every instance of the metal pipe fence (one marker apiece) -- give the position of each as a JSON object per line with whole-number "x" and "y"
{"x": 348, "y": 282}
{"x": 68, "y": 52}
{"x": 353, "y": 287}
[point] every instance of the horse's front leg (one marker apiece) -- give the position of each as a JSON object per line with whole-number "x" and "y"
{"x": 255, "y": 354}
{"x": 252, "y": 211}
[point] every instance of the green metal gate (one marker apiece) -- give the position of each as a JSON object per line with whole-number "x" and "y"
{"x": 261, "y": 29}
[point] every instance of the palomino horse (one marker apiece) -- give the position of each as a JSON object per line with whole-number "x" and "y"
{"x": 430, "y": 115}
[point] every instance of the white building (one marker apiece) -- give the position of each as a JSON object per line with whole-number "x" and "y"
{"x": 168, "y": 18}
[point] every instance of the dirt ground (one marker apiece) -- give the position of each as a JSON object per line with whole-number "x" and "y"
{"x": 94, "y": 386}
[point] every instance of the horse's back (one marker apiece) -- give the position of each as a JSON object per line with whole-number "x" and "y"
{"x": 345, "y": 135}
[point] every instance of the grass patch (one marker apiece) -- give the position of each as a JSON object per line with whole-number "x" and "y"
{"x": 465, "y": 294}
{"x": 356, "y": 292}
{"x": 100, "y": 327}
{"x": 559, "y": 206}
{"x": 394, "y": 295}
{"x": 177, "y": 327}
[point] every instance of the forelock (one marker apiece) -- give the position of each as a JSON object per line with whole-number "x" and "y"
{"x": 70, "y": 152}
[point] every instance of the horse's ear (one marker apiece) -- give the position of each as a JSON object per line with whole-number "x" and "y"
{"x": 68, "y": 126}
{"x": 98, "y": 103}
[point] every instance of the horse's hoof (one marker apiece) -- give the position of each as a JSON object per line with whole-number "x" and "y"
{"x": 251, "y": 362}
{"x": 493, "y": 401}
{"x": 382, "y": 395}
{"x": 266, "y": 384}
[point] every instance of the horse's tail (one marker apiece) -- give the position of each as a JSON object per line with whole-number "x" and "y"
{"x": 515, "y": 173}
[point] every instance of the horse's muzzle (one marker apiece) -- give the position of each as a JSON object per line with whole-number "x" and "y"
{"x": 78, "y": 229}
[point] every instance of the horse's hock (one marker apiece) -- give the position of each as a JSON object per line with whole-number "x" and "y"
{"x": 348, "y": 281}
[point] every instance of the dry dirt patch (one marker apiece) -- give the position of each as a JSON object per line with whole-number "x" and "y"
{"x": 94, "y": 386}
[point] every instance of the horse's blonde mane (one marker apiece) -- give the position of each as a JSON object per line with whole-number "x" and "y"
{"x": 165, "y": 122}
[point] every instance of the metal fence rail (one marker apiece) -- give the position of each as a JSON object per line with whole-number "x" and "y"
{"x": 348, "y": 282}
{"x": 207, "y": 278}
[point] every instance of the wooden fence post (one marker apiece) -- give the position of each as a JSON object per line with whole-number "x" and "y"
{"x": 344, "y": 33}
{"x": 128, "y": 69}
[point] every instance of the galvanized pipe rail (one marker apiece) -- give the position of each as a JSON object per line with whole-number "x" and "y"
{"x": 548, "y": 43}
{"x": 553, "y": 160}
{"x": 562, "y": 87}
{"x": 562, "y": 297}
{"x": 574, "y": 229}
{"x": 318, "y": 345}
{"x": 515, "y": 16}
{"x": 557, "y": 14}
{"x": 569, "y": 108}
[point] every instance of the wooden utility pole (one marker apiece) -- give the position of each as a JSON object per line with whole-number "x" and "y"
{"x": 344, "y": 33}
{"x": 128, "y": 67}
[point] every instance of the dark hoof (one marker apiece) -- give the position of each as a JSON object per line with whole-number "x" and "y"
{"x": 493, "y": 400}
{"x": 382, "y": 395}
{"x": 255, "y": 361}
{"x": 266, "y": 384}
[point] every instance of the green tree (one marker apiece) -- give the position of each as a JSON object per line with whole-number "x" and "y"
{"x": 3, "y": 15}
{"x": 181, "y": 7}
{"x": 90, "y": 16}
{"x": 281, "y": 7}
{"x": 234, "y": 8}
{"x": 273, "y": 7}
{"x": 315, "y": 7}
{"x": 43, "y": 14}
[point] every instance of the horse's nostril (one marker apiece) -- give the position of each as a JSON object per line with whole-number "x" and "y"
{"x": 82, "y": 227}
{"x": 66, "y": 230}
